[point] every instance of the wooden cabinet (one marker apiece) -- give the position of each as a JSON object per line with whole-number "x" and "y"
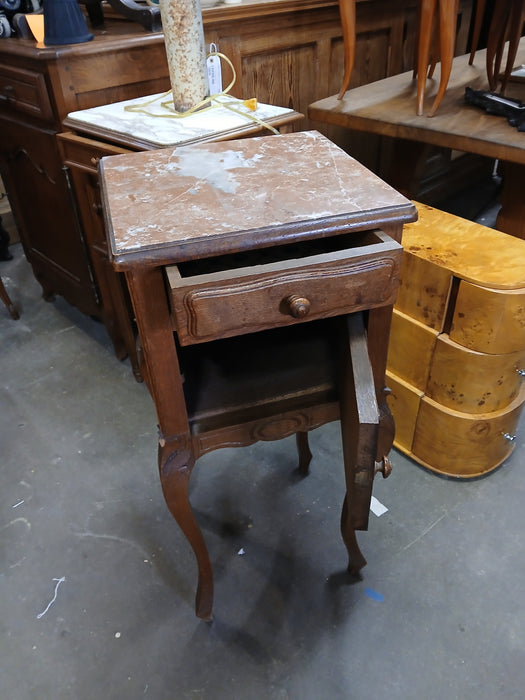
{"x": 456, "y": 361}
{"x": 38, "y": 88}
{"x": 291, "y": 53}
{"x": 38, "y": 189}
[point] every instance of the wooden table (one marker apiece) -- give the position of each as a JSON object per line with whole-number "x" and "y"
{"x": 250, "y": 265}
{"x": 387, "y": 107}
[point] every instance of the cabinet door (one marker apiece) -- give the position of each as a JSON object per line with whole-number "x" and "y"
{"x": 81, "y": 156}
{"x": 42, "y": 205}
{"x": 360, "y": 425}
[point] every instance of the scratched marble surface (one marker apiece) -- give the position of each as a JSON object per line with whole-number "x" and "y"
{"x": 212, "y": 189}
{"x": 152, "y": 119}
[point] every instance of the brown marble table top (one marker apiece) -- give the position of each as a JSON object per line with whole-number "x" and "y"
{"x": 170, "y": 204}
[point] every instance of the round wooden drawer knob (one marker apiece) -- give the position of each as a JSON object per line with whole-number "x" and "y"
{"x": 297, "y": 306}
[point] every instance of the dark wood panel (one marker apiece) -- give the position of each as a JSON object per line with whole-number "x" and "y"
{"x": 48, "y": 228}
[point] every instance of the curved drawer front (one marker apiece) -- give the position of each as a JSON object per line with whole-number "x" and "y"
{"x": 411, "y": 349}
{"x": 474, "y": 382}
{"x": 249, "y": 299}
{"x": 474, "y": 444}
{"x": 489, "y": 320}
{"x": 404, "y": 401}
{"x": 424, "y": 290}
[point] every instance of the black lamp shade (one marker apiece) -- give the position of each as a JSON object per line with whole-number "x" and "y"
{"x": 64, "y": 23}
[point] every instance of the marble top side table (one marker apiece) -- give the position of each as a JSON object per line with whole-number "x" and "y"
{"x": 262, "y": 274}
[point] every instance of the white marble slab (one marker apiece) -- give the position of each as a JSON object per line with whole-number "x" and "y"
{"x": 153, "y": 119}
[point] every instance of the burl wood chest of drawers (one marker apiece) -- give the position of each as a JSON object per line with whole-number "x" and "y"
{"x": 456, "y": 360}
{"x": 262, "y": 274}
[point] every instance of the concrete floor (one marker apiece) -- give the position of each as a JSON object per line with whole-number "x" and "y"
{"x": 97, "y": 583}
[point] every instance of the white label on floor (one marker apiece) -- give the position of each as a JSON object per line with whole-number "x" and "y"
{"x": 376, "y": 507}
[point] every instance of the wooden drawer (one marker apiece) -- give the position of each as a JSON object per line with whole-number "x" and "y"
{"x": 25, "y": 90}
{"x": 474, "y": 443}
{"x": 302, "y": 282}
{"x": 451, "y": 374}
{"x": 474, "y": 382}
{"x": 424, "y": 289}
{"x": 489, "y": 320}
{"x": 84, "y": 153}
{"x": 450, "y": 442}
{"x": 404, "y": 401}
{"x": 411, "y": 349}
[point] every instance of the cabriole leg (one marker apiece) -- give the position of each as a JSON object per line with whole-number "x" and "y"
{"x": 305, "y": 456}
{"x": 175, "y": 466}
{"x": 356, "y": 560}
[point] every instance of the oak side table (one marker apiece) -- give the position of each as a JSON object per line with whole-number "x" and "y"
{"x": 262, "y": 274}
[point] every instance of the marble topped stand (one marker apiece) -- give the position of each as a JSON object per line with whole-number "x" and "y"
{"x": 150, "y": 122}
{"x": 262, "y": 274}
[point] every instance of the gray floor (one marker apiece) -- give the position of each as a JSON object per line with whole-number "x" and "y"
{"x": 97, "y": 583}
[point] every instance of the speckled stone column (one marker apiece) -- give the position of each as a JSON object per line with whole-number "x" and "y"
{"x": 185, "y": 51}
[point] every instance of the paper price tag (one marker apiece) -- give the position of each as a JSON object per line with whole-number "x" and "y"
{"x": 213, "y": 64}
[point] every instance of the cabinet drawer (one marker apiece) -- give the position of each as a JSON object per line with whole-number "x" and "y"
{"x": 471, "y": 381}
{"x": 411, "y": 348}
{"x": 301, "y": 282}
{"x": 25, "y": 90}
{"x": 475, "y": 443}
{"x": 489, "y": 320}
{"x": 84, "y": 153}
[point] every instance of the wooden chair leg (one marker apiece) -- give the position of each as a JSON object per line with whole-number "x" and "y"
{"x": 347, "y": 13}
{"x": 4, "y": 296}
{"x": 416, "y": 40}
{"x": 515, "y": 24}
{"x": 305, "y": 456}
{"x": 496, "y": 41}
{"x": 435, "y": 53}
{"x": 478, "y": 21}
{"x": 447, "y": 39}
{"x": 427, "y": 12}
